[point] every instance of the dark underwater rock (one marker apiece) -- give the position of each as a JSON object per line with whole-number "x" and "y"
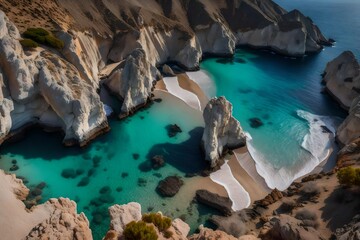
{"x": 170, "y": 186}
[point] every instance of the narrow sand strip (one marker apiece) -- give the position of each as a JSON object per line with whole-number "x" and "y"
{"x": 186, "y": 83}
{"x": 204, "y": 81}
{"x": 238, "y": 195}
{"x": 172, "y": 85}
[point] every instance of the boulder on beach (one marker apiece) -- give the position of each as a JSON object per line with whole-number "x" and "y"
{"x": 213, "y": 200}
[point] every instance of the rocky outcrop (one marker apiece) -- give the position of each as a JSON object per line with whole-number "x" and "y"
{"x": 349, "y": 130}
{"x": 342, "y": 79}
{"x": 349, "y": 154}
{"x": 134, "y": 82}
{"x": 41, "y": 87}
{"x": 207, "y": 233}
{"x": 271, "y": 198}
{"x": 170, "y": 186}
{"x": 122, "y": 215}
{"x": 350, "y": 231}
{"x": 63, "y": 222}
{"x": 222, "y": 204}
{"x": 285, "y": 227}
{"x": 222, "y": 130}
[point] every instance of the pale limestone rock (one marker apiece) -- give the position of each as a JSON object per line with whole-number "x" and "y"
{"x": 62, "y": 223}
{"x": 121, "y": 215}
{"x": 222, "y": 130}
{"x": 18, "y": 70}
{"x": 134, "y": 82}
{"x": 349, "y": 130}
{"x": 6, "y": 107}
{"x": 180, "y": 227}
{"x": 216, "y": 39}
{"x": 83, "y": 52}
{"x": 342, "y": 78}
{"x": 71, "y": 98}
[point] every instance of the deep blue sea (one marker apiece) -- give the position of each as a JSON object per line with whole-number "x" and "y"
{"x": 284, "y": 93}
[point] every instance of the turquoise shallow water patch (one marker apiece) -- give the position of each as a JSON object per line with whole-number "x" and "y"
{"x": 112, "y": 161}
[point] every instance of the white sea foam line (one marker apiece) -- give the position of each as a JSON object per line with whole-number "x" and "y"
{"x": 172, "y": 85}
{"x": 317, "y": 143}
{"x": 204, "y": 81}
{"x": 238, "y": 195}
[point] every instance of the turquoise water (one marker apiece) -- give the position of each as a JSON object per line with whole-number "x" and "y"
{"x": 273, "y": 88}
{"x": 110, "y": 160}
{"x": 266, "y": 86}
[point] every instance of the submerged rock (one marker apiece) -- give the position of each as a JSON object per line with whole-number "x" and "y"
{"x": 173, "y": 130}
{"x": 222, "y": 204}
{"x": 170, "y": 186}
{"x": 68, "y": 173}
{"x": 255, "y": 122}
{"x": 157, "y": 161}
{"x": 222, "y": 130}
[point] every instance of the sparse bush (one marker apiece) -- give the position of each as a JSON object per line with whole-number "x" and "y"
{"x": 161, "y": 222}
{"x": 310, "y": 190}
{"x": 28, "y": 43}
{"x": 308, "y": 218}
{"x": 139, "y": 231}
{"x": 42, "y": 36}
{"x": 305, "y": 214}
{"x": 287, "y": 206}
{"x": 349, "y": 176}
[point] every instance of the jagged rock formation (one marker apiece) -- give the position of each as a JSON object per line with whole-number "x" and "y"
{"x": 41, "y": 87}
{"x": 55, "y": 219}
{"x": 349, "y": 130}
{"x": 63, "y": 223}
{"x": 124, "y": 214}
{"x": 287, "y": 227}
{"x": 350, "y": 231}
{"x": 222, "y": 130}
{"x": 342, "y": 78}
{"x": 134, "y": 82}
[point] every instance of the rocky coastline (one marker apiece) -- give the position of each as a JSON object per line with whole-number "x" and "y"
{"x": 122, "y": 52}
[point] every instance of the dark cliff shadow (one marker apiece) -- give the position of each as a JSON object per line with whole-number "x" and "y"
{"x": 187, "y": 156}
{"x": 341, "y": 206}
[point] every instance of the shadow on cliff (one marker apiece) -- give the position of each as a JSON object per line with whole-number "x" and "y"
{"x": 340, "y": 207}
{"x": 187, "y": 156}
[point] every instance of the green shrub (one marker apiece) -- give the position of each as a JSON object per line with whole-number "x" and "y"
{"x": 349, "y": 176}
{"x": 161, "y": 222}
{"x": 139, "y": 231}
{"x": 28, "y": 43}
{"x": 42, "y": 36}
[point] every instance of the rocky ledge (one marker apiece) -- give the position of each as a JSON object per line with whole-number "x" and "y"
{"x": 342, "y": 78}
{"x": 222, "y": 131}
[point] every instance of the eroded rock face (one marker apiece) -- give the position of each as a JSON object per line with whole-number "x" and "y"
{"x": 285, "y": 227}
{"x": 63, "y": 222}
{"x": 350, "y": 231}
{"x": 222, "y": 130}
{"x": 342, "y": 78}
{"x": 134, "y": 82}
{"x": 207, "y": 233}
{"x": 349, "y": 130}
{"x": 122, "y": 215}
{"x": 41, "y": 87}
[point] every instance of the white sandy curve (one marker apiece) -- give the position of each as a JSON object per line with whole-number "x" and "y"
{"x": 204, "y": 81}
{"x": 236, "y": 192}
{"x": 172, "y": 85}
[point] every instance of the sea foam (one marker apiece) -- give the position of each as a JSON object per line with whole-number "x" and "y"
{"x": 316, "y": 146}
